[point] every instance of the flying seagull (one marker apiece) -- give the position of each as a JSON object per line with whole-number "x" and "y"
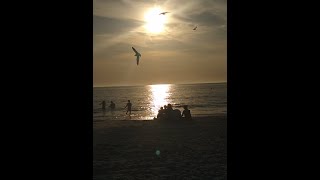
{"x": 137, "y": 54}
{"x": 163, "y": 13}
{"x": 195, "y": 28}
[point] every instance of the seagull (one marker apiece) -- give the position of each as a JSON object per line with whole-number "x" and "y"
{"x": 137, "y": 54}
{"x": 163, "y": 13}
{"x": 195, "y": 28}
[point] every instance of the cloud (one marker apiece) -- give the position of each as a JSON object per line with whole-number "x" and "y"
{"x": 119, "y": 25}
{"x": 106, "y": 25}
{"x": 120, "y": 8}
{"x": 206, "y": 18}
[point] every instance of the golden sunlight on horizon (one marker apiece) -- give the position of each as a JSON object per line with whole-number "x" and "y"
{"x": 154, "y": 21}
{"x": 160, "y": 94}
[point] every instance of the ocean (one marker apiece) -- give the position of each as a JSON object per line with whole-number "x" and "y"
{"x": 206, "y": 99}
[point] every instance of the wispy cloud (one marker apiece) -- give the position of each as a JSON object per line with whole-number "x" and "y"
{"x": 107, "y": 25}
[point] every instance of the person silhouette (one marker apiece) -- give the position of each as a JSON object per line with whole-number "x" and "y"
{"x": 160, "y": 113}
{"x": 103, "y": 103}
{"x": 186, "y": 114}
{"x": 170, "y": 113}
{"x": 165, "y": 112}
{"x": 128, "y": 106}
{"x": 112, "y": 105}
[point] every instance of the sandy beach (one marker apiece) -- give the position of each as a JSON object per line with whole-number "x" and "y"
{"x": 127, "y": 149}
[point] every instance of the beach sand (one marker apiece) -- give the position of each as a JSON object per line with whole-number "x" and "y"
{"x": 161, "y": 150}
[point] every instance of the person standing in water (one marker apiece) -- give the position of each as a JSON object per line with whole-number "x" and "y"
{"x": 112, "y": 105}
{"x": 128, "y": 106}
{"x": 103, "y": 103}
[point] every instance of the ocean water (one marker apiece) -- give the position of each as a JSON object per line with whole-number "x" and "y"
{"x": 208, "y": 99}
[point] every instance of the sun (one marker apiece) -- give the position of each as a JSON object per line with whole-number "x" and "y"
{"x": 154, "y": 21}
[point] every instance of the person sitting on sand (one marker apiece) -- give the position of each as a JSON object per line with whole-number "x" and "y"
{"x": 160, "y": 113}
{"x": 170, "y": 112}
{"x": 165, "y": 112}
{"x": 128, "y": 106}
{"x": 176, "y": 114}
{"x": 103, "y": 103}
{"x": 112, "y": 105}
{"x": 186, "y": 114}
{"x": 173, "y": 114}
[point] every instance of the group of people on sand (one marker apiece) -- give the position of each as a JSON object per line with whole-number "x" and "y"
{"x": 112, "y": 106}
{"x": 168, "y": 113}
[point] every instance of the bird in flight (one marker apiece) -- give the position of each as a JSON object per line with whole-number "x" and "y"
{"x": 163, "y": 13}
{"x": 137, "y": 54}
{"x": 195, "y": 28}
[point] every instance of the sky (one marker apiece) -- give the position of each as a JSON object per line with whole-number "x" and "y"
{"x": 171, "y": 51}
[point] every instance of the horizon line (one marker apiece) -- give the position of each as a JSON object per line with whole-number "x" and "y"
{"x": 160, "y": 84}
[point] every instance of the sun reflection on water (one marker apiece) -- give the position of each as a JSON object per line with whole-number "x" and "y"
{"x": 160, "y": 94}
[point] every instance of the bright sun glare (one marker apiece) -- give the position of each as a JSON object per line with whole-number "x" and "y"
{"x": 154, "y": 21}
{"x": 160, "y": 95}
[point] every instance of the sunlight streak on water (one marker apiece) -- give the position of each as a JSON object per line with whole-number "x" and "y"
{"x": 159, "y": 96}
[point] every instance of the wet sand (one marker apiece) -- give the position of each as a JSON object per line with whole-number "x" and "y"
{"x": 126, "y": 149}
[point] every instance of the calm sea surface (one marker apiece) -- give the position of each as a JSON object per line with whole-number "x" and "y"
{"x": 203, "y": 100}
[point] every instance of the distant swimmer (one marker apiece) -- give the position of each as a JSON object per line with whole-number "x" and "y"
{"x": 103, "y": 103}
{"x": 164, "y": 13}
{"x": 137, "y": 54}
{"x": 128, "y": 106}
{"x": 112, "y": 105}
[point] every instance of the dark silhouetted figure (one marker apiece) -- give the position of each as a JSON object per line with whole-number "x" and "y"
{"x": 165, "y": 108}
{"x": 137, "y": 54}
{"x": 163, "y": 13}
{"x": 176, "y": 114}
{"x": 165, "y": 112}
{"x": 112, "y": 105}
{"x": 186, "y": 114}
{"x": 173, "y": 114}
{"x": 128, "y": 106}
{"x": 160, "y": 113}
{"x": 170, "y": 112}
{"x": 103, "y": 103}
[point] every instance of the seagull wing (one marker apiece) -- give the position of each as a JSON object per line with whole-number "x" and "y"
{"x": 135, "y": 50}
{"x": 138, "y": 60}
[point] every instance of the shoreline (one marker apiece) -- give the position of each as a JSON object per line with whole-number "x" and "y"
{"x": 108, "y": 123}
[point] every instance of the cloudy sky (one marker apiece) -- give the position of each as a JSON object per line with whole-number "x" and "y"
{"x": 171, "y": 51}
